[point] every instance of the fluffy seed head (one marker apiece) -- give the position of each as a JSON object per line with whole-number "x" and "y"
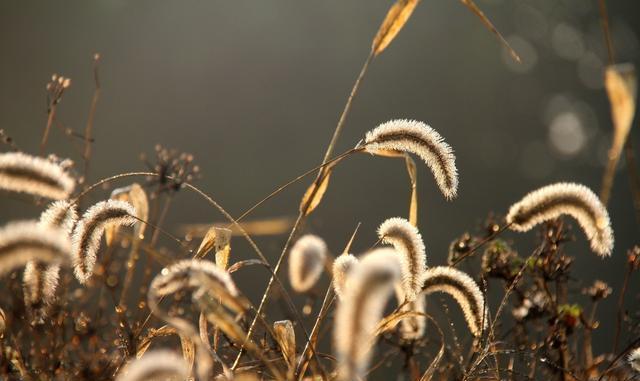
{"x": 418, "y": 138}
{"x": 576, "y": 200}
{"x": 407, "y": 241}
{"x": 370, "y": 286}
{"x": 634, "y": 359}
{"x": 463, "y": 289}
{"x": 21, "y": 242}
{"x": 342, "y": 267}
{"x": 155, "y": 365}
{"x": 190, "y": 273}
{"x": 24, "y": 173}
{"x": 40, "y": 281}
{"x": 306, "y": 262}
{"x": 89, "y": 231}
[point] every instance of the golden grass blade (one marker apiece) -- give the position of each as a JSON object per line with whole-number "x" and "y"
{"x": 620, "y": 82}
{"x": 136, "y": 196}
{"x": 316, "y": 191}
{"x": 413, "y": 178}
{"x": 218, "y": 239}
{"x": 248, "y": 262}
{"x": 397, "y": 16}
{"x": 286, "y": 338}
{"x": 261, "y": 227}
{"x": 485, "y": 20}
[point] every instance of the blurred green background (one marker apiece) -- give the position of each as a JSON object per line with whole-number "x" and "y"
{"x": 254, "y": 90}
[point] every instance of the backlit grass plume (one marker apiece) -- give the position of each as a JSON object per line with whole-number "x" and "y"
{"x": 306, "y": 262}
{"x": 342, "y": 267}
{"x": 370, "y": 286}
{"x": 576, "y": 200}
{"x": 40, "y": 281}
{"x": 407, "y": 241}
{"x": 155, "y": 365}
{"x": 463, "y": 289}
{"x": 22, "y": 242}
{"x": 89, "y": 231}
{"x": 634, "y": 359}
{"x": 33, "y": 175}
{"x": 416, "y": 137}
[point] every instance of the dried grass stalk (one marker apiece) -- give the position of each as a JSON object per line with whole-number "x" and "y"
{"x": 358, "y": 314}
{"x": 306, "y": 262}
{"x": 33, "y": 175}
{"x": 463, "y": 289}
{"x": 89, "y": 231}
{"x": 416, "y": 137}
{"x": 575, "y": 200}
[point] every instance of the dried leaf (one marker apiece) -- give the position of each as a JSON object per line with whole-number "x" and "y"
{"x": 316, "y": 190}
{"x": 136, "y": 196}
{"x": 478, "y": 12}
{"x": 620, "y": 82}
{"x": 188, "y": 347}
{"x": 218, "y": 239}
{"x": 397, "y": 16}
{"x": 188, "y": 351}
{"x": 286, "y": 338}
{"x": 249, "y": 262}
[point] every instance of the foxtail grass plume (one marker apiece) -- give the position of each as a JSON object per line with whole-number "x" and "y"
{"x": 342, "y": 267}
{"x": 463, "y": 289}
{"x": 370, "y": 286}
{"x": 576, "y": 200}
{"x": 416, "y": 137}
{"x": 40, "y": 281}
{"x": 158, "y": 365}
{"x": 407, "y": 241}
{"x": 22, "y": 242}
{"x": 33, "y": 175}
{"x": 634, "y": 359}
{"x": 89, "y": 231}
{"x": 191, "y": 273}
{"x": 306, "y": 262}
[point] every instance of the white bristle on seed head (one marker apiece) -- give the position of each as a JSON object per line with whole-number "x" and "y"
{"x": 89, "y": 231}
{"x": 306, "y": 262}
{"x": 34, "y": 175}
{"x": 463, "y": 289}
{"x": 407, "y": 241}
{"x": 576, "y": 200}
{"x": 634, "y": 359}
{"x": 342, "y": 268}
{"x": 62, "y": 214}
{"x": 418, "y": 138}
{"x": 155, "y": 365}
{"x": 188, "y": 273}
{"x": 21, "y": 242}
{"x": 370, "y": 286}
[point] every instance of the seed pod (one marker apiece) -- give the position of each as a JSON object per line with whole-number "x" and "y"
{"x": 418, "y": 138}
{"x": 306, "y": 262}
{"x": 576, "y": 200}
{"x": 34, "y": 175}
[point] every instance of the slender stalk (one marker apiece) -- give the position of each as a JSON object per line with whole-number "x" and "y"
{"x": 92, "y": 112}
{"x": 620, "y": 308}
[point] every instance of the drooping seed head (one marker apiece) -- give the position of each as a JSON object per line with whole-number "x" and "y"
{"x": 158, "y": 365}
{"x": 306, "y": 262}
{"x": 407, "y": 241}
{"x": 21, "y": 242}
{"x": 34, "y": 175}
{"x": 575, "y": 200}
{"x": 342, "y": 267}
{"x": 89, "y": 231}
{"x": 463, "y": 289}
{"x": 416, "y": 137}
{"x": 370, "y": 286}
